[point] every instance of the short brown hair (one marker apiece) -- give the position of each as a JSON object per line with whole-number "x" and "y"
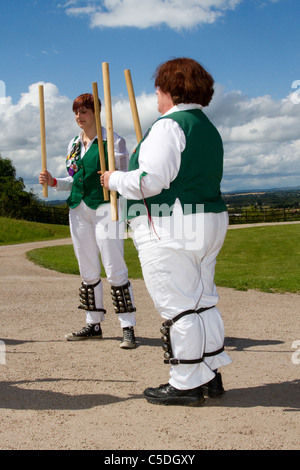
{"x": 86, "y": 100}
{"x": 186, "y": 81}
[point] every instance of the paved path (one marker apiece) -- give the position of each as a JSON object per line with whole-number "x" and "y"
{"x": 60, "y": 395}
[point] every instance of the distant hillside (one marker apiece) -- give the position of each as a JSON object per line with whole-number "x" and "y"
{"x": 262, "y": 190}
{"x": 275, "y": 198}
{"x": 57, "y": 202}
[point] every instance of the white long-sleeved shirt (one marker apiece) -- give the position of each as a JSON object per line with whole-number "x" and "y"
{"x": 159, "y": 157}
{"x": 121, "y": 157}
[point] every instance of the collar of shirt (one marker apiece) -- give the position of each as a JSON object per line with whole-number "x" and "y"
{"x": 85, "y": 149}
{"x": 183, "y": 107}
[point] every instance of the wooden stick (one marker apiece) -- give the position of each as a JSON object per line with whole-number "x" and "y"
{"x": 43, "y": 136}
{"x": 99, "y": 136}
{"x": 110, "y": 136}
{"x": 134, "y": 111}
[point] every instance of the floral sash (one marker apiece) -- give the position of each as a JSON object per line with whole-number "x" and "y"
{"x": 73, "y": 157}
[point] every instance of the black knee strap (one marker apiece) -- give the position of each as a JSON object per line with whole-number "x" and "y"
{"x": 121, "y": 298}
{"x": 165, "y": 330}
{"x": 87, "y": 297}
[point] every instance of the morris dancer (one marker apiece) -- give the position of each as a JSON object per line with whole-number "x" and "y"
{"x": 179, "y": 224}
{"x": 92, "y": 230}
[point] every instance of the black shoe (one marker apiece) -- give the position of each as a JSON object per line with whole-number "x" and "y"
{"x": 168, "y": 395}
{"x": 214, "y": 388}
{"x": 88, "y": 332}
{"x": 128, "y": 341}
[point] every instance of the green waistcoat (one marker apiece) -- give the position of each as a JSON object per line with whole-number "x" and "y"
{"x": 86, "y": 181}
{"x": 200, "y": 173}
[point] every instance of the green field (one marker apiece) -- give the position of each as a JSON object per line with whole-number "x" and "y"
{"x": 62, "y": 259}
{"x": 21, "y": 231}
{"x": 263, "y": 258}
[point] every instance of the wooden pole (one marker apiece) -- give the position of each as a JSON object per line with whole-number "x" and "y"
{"x": 99, "y": 136}
{"x": 134, "y": 111}
{"x": 43, "y": 136}
{"x": 110, "y": 136}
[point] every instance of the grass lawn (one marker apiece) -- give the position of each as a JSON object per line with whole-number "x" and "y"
{"x": 62, "y": 259}
{"x": 14, "y": 231}
{"x": 263, "y": 258}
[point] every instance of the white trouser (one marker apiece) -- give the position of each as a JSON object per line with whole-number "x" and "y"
{"x": 179, "y": 275}
{"x": 93, "y": 233}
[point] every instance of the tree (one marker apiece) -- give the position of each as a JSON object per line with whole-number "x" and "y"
{"x": 7, "y": 169}
{"x": 13, "y": 197}
{"x": 17, "y": 203}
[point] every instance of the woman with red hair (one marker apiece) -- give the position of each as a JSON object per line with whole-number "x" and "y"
{"x": 92, "y": 230}
{"x": 179, "y": 221}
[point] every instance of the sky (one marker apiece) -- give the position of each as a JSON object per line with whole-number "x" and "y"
{"x": 251, "y": 48}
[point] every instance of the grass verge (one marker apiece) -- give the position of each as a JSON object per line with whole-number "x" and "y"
{"x": 14, "y": 231}
{"x": 63, "y": 260}
{"x": 261, "y": 258}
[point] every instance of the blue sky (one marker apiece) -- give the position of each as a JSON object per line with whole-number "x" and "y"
{"x": 251, "y": 47}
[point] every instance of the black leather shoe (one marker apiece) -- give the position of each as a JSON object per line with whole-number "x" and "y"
{"x": 214, "y": 388}
{"x": 168, "y": 395}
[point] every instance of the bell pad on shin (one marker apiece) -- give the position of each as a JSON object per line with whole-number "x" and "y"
{"x": 121, "y": 298}
{"x": 87, "y": 297}
{"x": 166, "y": 340}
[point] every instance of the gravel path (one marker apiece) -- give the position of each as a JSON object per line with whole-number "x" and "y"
{"x": 88, "y": 395}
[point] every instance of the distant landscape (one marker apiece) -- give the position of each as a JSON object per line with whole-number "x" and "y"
{"x": 275, "y": 198}
{"x": 274, "y": 205}
{"x": 249, "y": 206}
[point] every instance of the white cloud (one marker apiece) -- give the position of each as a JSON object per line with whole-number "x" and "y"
{"x": 261, "y": 140}
{"x": 20, "y": 131}
{"x": 176, "y": 14}
{"x": 260, "y": 135}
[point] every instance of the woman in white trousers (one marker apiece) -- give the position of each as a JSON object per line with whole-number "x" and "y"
{"x": 179, "y": 222}
{"x": 92, "y": 230}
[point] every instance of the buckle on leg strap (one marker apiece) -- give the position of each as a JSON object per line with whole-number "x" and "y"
{"x": 174, "y": 362}
{"x": 165, "y": 330}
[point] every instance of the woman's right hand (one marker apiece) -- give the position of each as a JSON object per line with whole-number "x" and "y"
{"x": 46, "y": 177}
{"x": 104, "y": 179}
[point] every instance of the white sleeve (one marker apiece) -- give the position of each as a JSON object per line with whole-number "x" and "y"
{"x": 64, "y": 184}
{"x": 159, "y": 158}
{"x": 121, "y": 153}
{"x": 127, "y": 184}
